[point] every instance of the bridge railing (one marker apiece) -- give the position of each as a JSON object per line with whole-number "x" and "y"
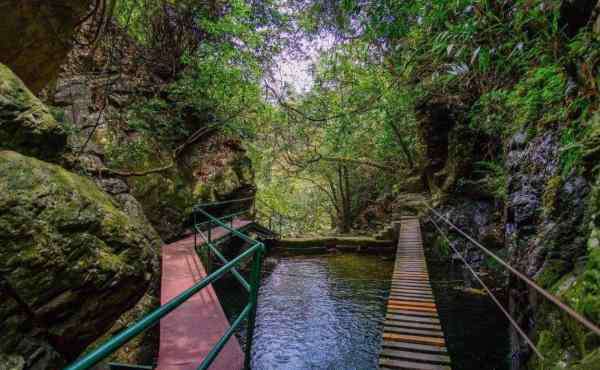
{"x": 592, "y": 327}
{"x": 255, "y": 250}
{"x": 275, "y": 221}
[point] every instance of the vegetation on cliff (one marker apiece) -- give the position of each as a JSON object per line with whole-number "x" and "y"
{"x": 488, "y": 107}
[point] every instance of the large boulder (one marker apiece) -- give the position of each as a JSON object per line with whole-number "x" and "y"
{"x": 36, "y": 36}
{"x": 71, "y": 262}
{"x": 26, "y": 125}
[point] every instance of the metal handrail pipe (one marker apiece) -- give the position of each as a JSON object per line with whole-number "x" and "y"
{"x": 219, "y": 203}
{"x": 214, "y": 352}
{"x": 571, "y": 312}
{"x": 220, "y": 256}
{"x": 223, "y": 225}
{"x": 154, "y": 317}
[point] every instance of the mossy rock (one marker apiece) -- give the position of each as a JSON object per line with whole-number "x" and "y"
{"x": 551, "y": 272}
{"x": 26, "y": 124}
{"x": 72, "y": 262}
{"x": 589, "y": 362}
{"x": 166, "y": 200}
{"x": 35, "y": 37}
{"x": 591, "y": 154}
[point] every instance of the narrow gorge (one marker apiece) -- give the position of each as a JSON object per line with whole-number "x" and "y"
{"x": 332, "y": 122}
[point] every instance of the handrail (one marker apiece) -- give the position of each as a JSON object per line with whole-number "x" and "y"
{"x": 256, "y": 249}
{"x": 215, "y": 250}
{"x": 512, "y": 321}
{"x": 274, "y": 218}
{"x": 571, "y": 312}
{"x": 221, "y": 202}
{"x": 154, "y": 317}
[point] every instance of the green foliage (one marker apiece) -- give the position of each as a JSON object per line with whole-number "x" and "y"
{"x": 539, "y": 97}
{"x": 59, "y": 115}
{"x": 490, "y": 114}
{"x": 571, "y": 150}
{"x": 155, "y": 118}
{"x": 588, "y": 301}
{"x": 443, "y": 246}
{"x": 132, "y": 154}
{"x": 495, "y": 178}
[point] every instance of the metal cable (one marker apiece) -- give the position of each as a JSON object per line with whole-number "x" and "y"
{"x": 489, "y": 292}
{"x": 531, "y": 283}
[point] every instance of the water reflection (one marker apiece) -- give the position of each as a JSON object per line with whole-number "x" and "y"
{"x": 321, "y": 312}
{"x": 325, "y": 312}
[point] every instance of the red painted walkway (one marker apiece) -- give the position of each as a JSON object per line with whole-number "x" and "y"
{"x": 189, "y": 332}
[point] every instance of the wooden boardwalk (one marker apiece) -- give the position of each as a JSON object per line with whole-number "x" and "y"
{"x": 189, "y": 333}
{"x": 412, "y": 333}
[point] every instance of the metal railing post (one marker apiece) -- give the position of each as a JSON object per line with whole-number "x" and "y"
{"x": 195, "y": 231}
{"x": 253, "y": 299}
{"x": 209, "y": 250}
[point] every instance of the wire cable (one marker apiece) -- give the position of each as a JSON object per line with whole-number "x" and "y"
{"x": 595, "y": 329}
{"x": 489, "y": 292}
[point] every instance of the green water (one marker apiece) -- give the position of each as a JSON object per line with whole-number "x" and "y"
{"x": 318, "y": 311}
{"x": 476, "y": 331}
{"x": 325, "y": 312}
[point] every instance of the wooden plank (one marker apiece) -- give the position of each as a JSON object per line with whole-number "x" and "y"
{"x": 412, "y": 308}
{"x": 434, "y": 341}
{"x": 413, "y": 325}
{"x": 407, "y": 355}
{"x": 414, "y": 347}
{"x": 412, "y": 298}
{"x": 416, "y": 286}
{"x": 429, "y": 333}
{"x": 412, "y": 318}
{"x": 412, "y": 290}
{"x": 398, "y": 311}
{"x": 410, "y": 279}
{"x": 418, "y": 339}
{"x": 411, "y": 303}
{"x": 412, "y": 333}
{"x": 411, "y": 285}
{"x": 412, "y": 276}
{"x": 397, "y": 364}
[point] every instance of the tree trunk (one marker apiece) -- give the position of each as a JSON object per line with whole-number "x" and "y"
{"x": 403, "y": 145}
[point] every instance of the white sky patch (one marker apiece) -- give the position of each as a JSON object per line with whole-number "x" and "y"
{"x": 294, "y": 69}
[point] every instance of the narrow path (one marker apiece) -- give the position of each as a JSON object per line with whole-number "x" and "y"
{"x": 412, "y": 334}
{"x": 189, "y": 333}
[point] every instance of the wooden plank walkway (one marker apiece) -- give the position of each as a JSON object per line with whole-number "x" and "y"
{"x": 189, "y": 332}
{"x": 412, "y": 333}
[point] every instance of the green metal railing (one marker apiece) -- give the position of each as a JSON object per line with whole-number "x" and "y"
{"x": 275, "y": 221}
{"x": 256, "y": 249}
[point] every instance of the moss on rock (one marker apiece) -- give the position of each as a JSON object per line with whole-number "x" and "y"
{"x": 26, "y": 124}
{"x": 71, "y": 260}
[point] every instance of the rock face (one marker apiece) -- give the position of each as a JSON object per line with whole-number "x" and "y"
{"x": 71, "y": 261}
{"x": 26, "y": 125}
{"x": 446, "y": 145}
{"x": 36, "y": 36}
{"x": 214, "y": 167}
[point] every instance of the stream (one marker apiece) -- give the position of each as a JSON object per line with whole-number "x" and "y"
{"x": 325, "y": 312}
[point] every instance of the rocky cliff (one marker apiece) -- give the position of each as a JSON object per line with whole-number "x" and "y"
{"x": 72, "y": 259}
{"x": 513, "y": 161}
{"x": 46, "y": 32}
{"x": 97, "y": 92}
{"x": 80, "y": 209}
